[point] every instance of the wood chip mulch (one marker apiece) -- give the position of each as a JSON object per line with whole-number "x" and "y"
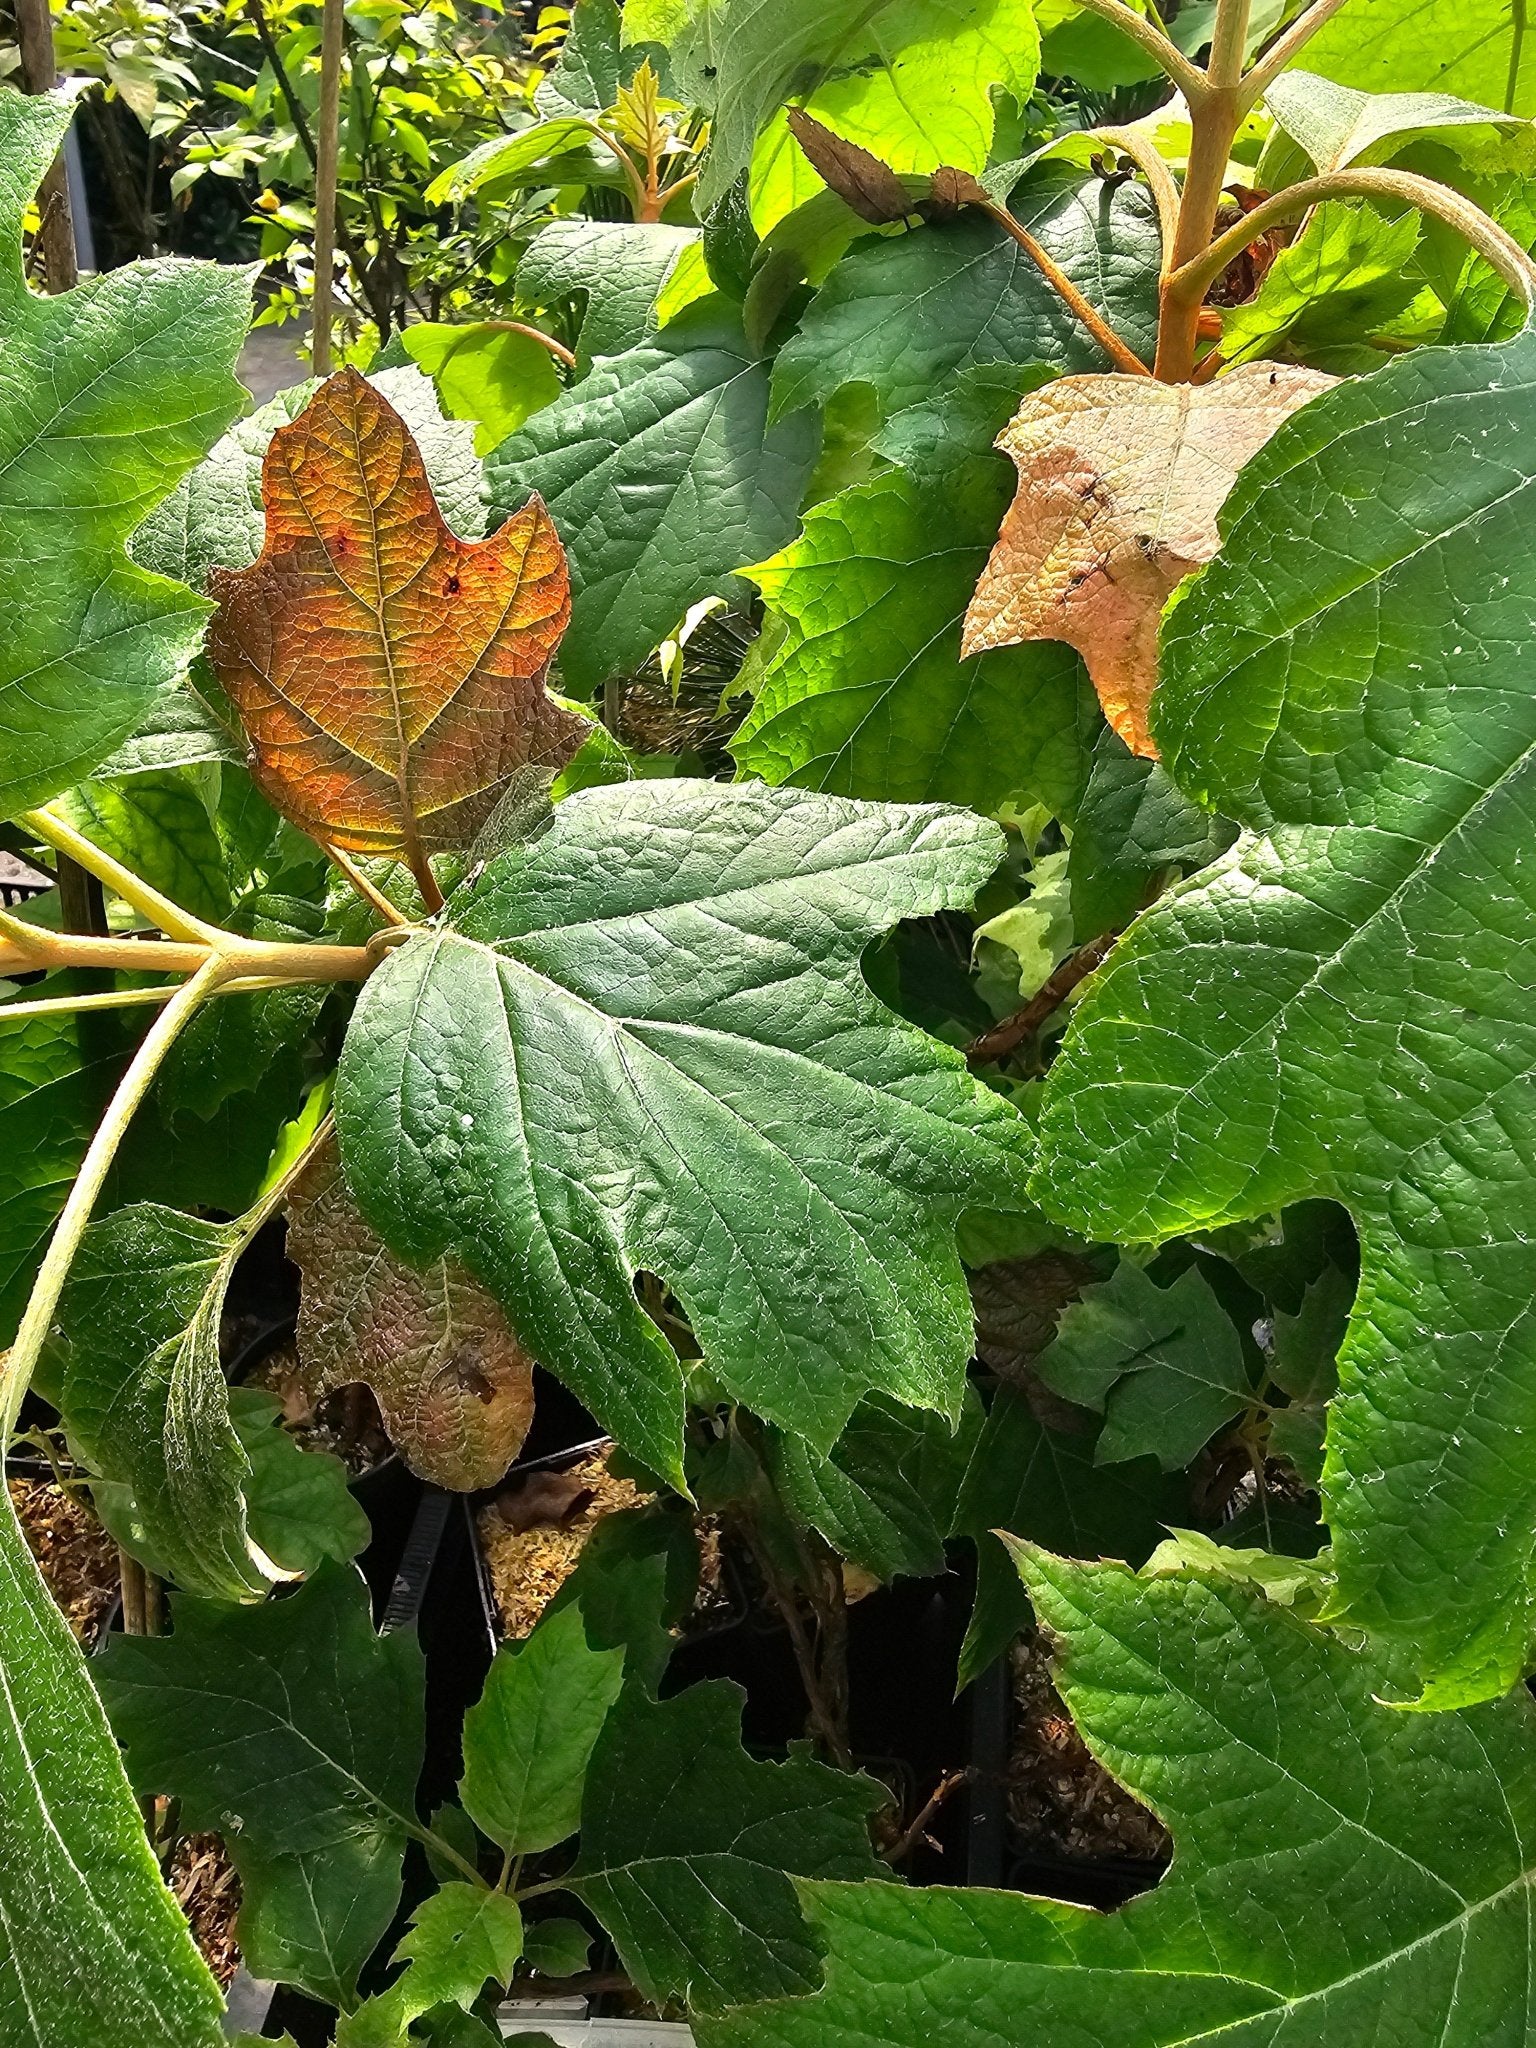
{"x": 76, "y": 1556}
{"x": 1060, "y": 1800}
{"x": 207, "y": 1890}
{"x": 534, "y": 1531}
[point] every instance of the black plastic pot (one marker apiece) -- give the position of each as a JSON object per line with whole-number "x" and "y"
{"x": 998, "y": 1858}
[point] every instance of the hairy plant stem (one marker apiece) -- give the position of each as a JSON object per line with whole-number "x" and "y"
{"x": 557, "y": 349}
{"x": 1216, "y": 114}
{"x": 1120, "y": 353}
{"x": 1493, "y": 243}
{"x": 1153, "y": 38}
{"x": 1285, "y": 47}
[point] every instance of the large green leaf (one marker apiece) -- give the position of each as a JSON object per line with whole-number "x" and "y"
{"x": 1475, "y": 49}
{"x": 110, "y": 393}
{"x": 1163, "y": 1364}
{"x": 458, "y": 1938}
{"x": 686, "y": 1842}
{"x": 913, "y": 82}
{"x": 907, "y": 313}
{"x": 290, "y": 1722}
{"x": 298, "y": 1733}
{"x": 144, "y": 1397}
{"x": 1343, "y": 1873}
{"x": 1342, "y": 1005}
{"x": 313, "y": 1920}
{"x": 56, "y": 1076}
{"x": 158, "y": 825}
{"x": 663, "y": 476}
{"x": 1043, "y": 1483}
{"x": 867, "y": 693}
{"x": 528, "y": 1738}
{"x": 616, "y": 267}
{"x": 885, "y": 1494}
{"x": 92, "y": 1946}
{"x": 742, "y": 57}
{"x": 645, "y": 1043}
{"x": 1337, "y": 126}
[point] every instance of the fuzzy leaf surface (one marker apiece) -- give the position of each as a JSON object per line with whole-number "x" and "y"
{"x": 1120, "y": 481}
{"x": 646, "y": 1043}
{"x": 92, "y": 1945}
{"x": 868, "y": 692}
{"x": 314, "y": 1919}
{"x": 1342, "y": 1872}
{"x": 111, "y": 392}
{"x": 144, "y": 1394}
{"x": 454, "y": 1384}
{"x": 687, "y": 1842}
{"x": 1475, "y": 49}
{"x": 1341, "y": 1006}
{"x": 907, "y": 313}
{"x": 390, "y": 676}
{"x": 1337, "y": 126}
{"x": 293, "y": 1727}
{"x": 662, "y": 475}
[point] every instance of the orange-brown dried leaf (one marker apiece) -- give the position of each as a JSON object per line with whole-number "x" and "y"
{"x": 1120, "y": 482}
{"x": 863, "y": 181}
{"x": 454, "y": 1384}
{"x": 390, "y": 676}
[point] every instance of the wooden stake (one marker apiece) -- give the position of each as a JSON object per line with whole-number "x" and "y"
{"x": 327, "y": 148}
{"x": 40, "y": 73}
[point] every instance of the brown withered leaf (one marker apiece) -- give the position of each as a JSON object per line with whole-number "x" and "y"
{"x": 390, "y": 676}
{"x": 454, "y": 1384}
{"x": 864, "y": 182}
{"x": 1120, "y": 482}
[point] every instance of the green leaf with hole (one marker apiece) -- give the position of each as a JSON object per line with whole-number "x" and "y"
{"x": 663, "y": 475}
{"x": 687, "y": 1844}
{"x": 1342, "y": 1872}
{"x": 1342, "y": 1005}
{"x": 112, "y": 392}
{"x": 645, "y": 1043}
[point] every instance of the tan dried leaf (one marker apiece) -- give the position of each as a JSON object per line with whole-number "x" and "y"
{"x": 863, "y": 181}
{"x": 1120, "y": 482}
{"x": 453, "y": 1382}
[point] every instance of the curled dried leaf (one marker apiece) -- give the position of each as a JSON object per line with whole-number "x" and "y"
{"x": 863, "y": 181}
{"x": 390, "y": 676}
{"x": 1120, "y": 482}
{"x": 454, "y": 1383}
{"x": 950, "y": 189}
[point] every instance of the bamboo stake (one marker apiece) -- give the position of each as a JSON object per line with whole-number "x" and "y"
{"x": 327, "y": 147}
